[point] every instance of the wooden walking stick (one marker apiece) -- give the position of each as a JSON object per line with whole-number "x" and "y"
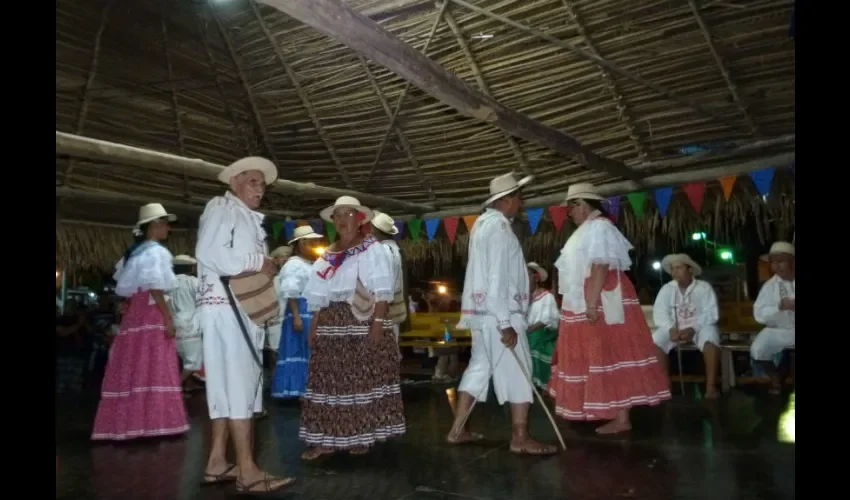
{"x": 679, "y": 351}
{"x": 539, "y": 398}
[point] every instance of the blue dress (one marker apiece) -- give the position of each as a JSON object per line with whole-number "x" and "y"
{"x": 293, "y": 354}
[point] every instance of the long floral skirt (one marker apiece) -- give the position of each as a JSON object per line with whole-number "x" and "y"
{"x": 293, "y": 355}
{"x": 542, "y": 345}
{"x": 353, "y": 394}
{"x": 600, "y": 369}
{"x": 141, "y": 394}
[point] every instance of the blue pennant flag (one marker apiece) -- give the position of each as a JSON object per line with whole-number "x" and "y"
{"x": 289, "y": 229}
{"x": 431, "y": 226}
{"x": 534, "y": 216}
{"x": 763, "y": 179}
{"x": 662, "y": 199}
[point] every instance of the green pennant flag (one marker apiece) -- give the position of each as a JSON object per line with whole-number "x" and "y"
{"x": 637, "y": 200}
{"x": 277, "y": 227}
{"x": 330, "y": 230}
{"x": 414, "y": 226}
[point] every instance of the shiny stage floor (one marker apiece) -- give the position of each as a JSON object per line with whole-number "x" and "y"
{"x": 686, "y": 449}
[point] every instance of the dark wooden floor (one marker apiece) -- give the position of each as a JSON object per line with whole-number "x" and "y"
{"x": 686, "y": 449}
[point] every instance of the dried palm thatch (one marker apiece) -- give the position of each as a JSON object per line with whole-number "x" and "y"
{"x": 219, "y": 80}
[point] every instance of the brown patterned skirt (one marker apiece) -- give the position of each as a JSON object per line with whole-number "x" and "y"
{"x": 353, "y": 395}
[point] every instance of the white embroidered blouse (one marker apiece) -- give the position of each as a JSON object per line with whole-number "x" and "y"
{"x": 544, "y": 309}
{"x": 695, "y": 308}
{"x": 334, "y": 275}
{"x": 496, "y": 285}
{"x": 149, "y": 268}
{"x": 293, "y": 279}
{"x": 596, "y": 241}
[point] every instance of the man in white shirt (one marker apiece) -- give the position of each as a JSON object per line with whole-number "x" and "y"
{"x": 686, "y": 311}
{"x": 775, "y": 308}
{"x": 494, "y": 306}
{"x": 190, "y": 345}
{"x": 231, "y": 241}
{"x": 273, "y": 326}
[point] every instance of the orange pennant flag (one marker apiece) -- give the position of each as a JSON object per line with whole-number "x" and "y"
{"x": 469, "y": 220}
{"x": 727, "y": 183}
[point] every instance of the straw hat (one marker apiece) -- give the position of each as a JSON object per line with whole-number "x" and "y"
{"x": 582, "y": 191}
{"x": 681, "y": 258}
{"x": 384, "y": 223}
{"x": 349, "y": 202}
{"x": 152, "y": 212}
{"x": 504, "y": 185}
{"x": 281, "y": 251}
{"x": 183, "y": 260}
{"x": 303, "y": 232}
{"x": 534, "y": 266}
{"x": 779, "y": 248}
{"x": 246, "y": 165}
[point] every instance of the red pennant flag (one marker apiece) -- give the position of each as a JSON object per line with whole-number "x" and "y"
{"x": 469, "y": 220}
{"x": 727, "y": 183}
{"x": 451, "y": 227}
{"x": 696, "y": 194}
{"x": 559, "y": 215}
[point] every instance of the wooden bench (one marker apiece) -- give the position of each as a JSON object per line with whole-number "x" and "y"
{"x": 429, "y": 330}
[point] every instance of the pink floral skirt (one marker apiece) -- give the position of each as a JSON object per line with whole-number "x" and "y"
{"x": 141, "y": 395}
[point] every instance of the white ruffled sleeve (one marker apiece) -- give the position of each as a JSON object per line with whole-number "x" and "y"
{"x": 148, "y": 270}
{"x": 375, "y": 270}
{"x": 317, "y": 289}
{"x": 293, "y": 279}
{"x": 605, "y": 245}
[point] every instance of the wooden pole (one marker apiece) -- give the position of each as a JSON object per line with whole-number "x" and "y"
{"x": 625, "y": 187}
{"x": 94, "y": 149}
{"x": 341, "y": 22}
{"x": 171, "y": 205}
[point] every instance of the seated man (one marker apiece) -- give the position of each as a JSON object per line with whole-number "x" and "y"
{"x": 686, "y": 310}
{"x": 774, "y": 308}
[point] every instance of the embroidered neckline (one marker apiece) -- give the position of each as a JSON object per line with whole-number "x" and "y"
{"x": 335, "y": 259}
{"x": 540, "y": 293}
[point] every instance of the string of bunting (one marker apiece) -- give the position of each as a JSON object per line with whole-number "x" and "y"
{"x": 694, "y": 192}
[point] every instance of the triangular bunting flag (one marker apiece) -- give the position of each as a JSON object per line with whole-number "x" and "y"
{"x": 662, "y": 199}
{"x": 431, "y": 226}
{"x": 451, "y": 227}
{"x": 637, "y": 201}
{"x": 763, "y": 179}
{"x": 695, "y": 192}
{"x": 415, "y": 226}
{"x": 613, "y": 208}
{"x": 727, "y": 183}
{"x": 469, "y": 221}
{"x": 289, "y": 229}
{"x": 277, "y": 227}
{"x": 399, "y": 224}
{"x": 331, "y": 232}
{"x": 534, "y": 216}
{"x": 317, "y": 225}
{"x": 559, "y": 215}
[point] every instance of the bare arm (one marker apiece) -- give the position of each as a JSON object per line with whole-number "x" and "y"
{"x": 598, "y": 274}
{"x": 381, "y": 310}
{"x": 293, "y": 306}
{"x": 159, "y": 298}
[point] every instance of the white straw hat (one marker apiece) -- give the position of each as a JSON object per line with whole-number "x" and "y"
{"x": 384, "y": 223}
{"x": 349, "y": 202}
{"x": 303, "y": 232}
{"x": 582, "y": 191}
{"x": 267, "y": 168}
{"x": 183, "y": 260}
{"x": 504, "y": 185}
{"x": 152, "y": 212}
{"x": 682, "y": 258}
{"x": 779, "y": 248}
{"x": 539, "y": 270}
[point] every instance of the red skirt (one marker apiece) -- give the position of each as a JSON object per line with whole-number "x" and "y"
{"x": 600, "y": 369}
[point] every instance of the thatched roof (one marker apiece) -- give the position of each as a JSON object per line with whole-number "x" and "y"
{"x": 217, "y": 80}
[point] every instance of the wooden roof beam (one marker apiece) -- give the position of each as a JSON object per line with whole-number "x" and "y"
{"x": 339, "y": 21}
{"x": 175, "y": 104}
{"x": 684, "y": 101}
{"x": 482, "y": 84}
{"x": 94, "y": 149}
{"x": 733, "y": 89}
{"x": 625, "y": 187}
{"x": 305, "y": 101}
